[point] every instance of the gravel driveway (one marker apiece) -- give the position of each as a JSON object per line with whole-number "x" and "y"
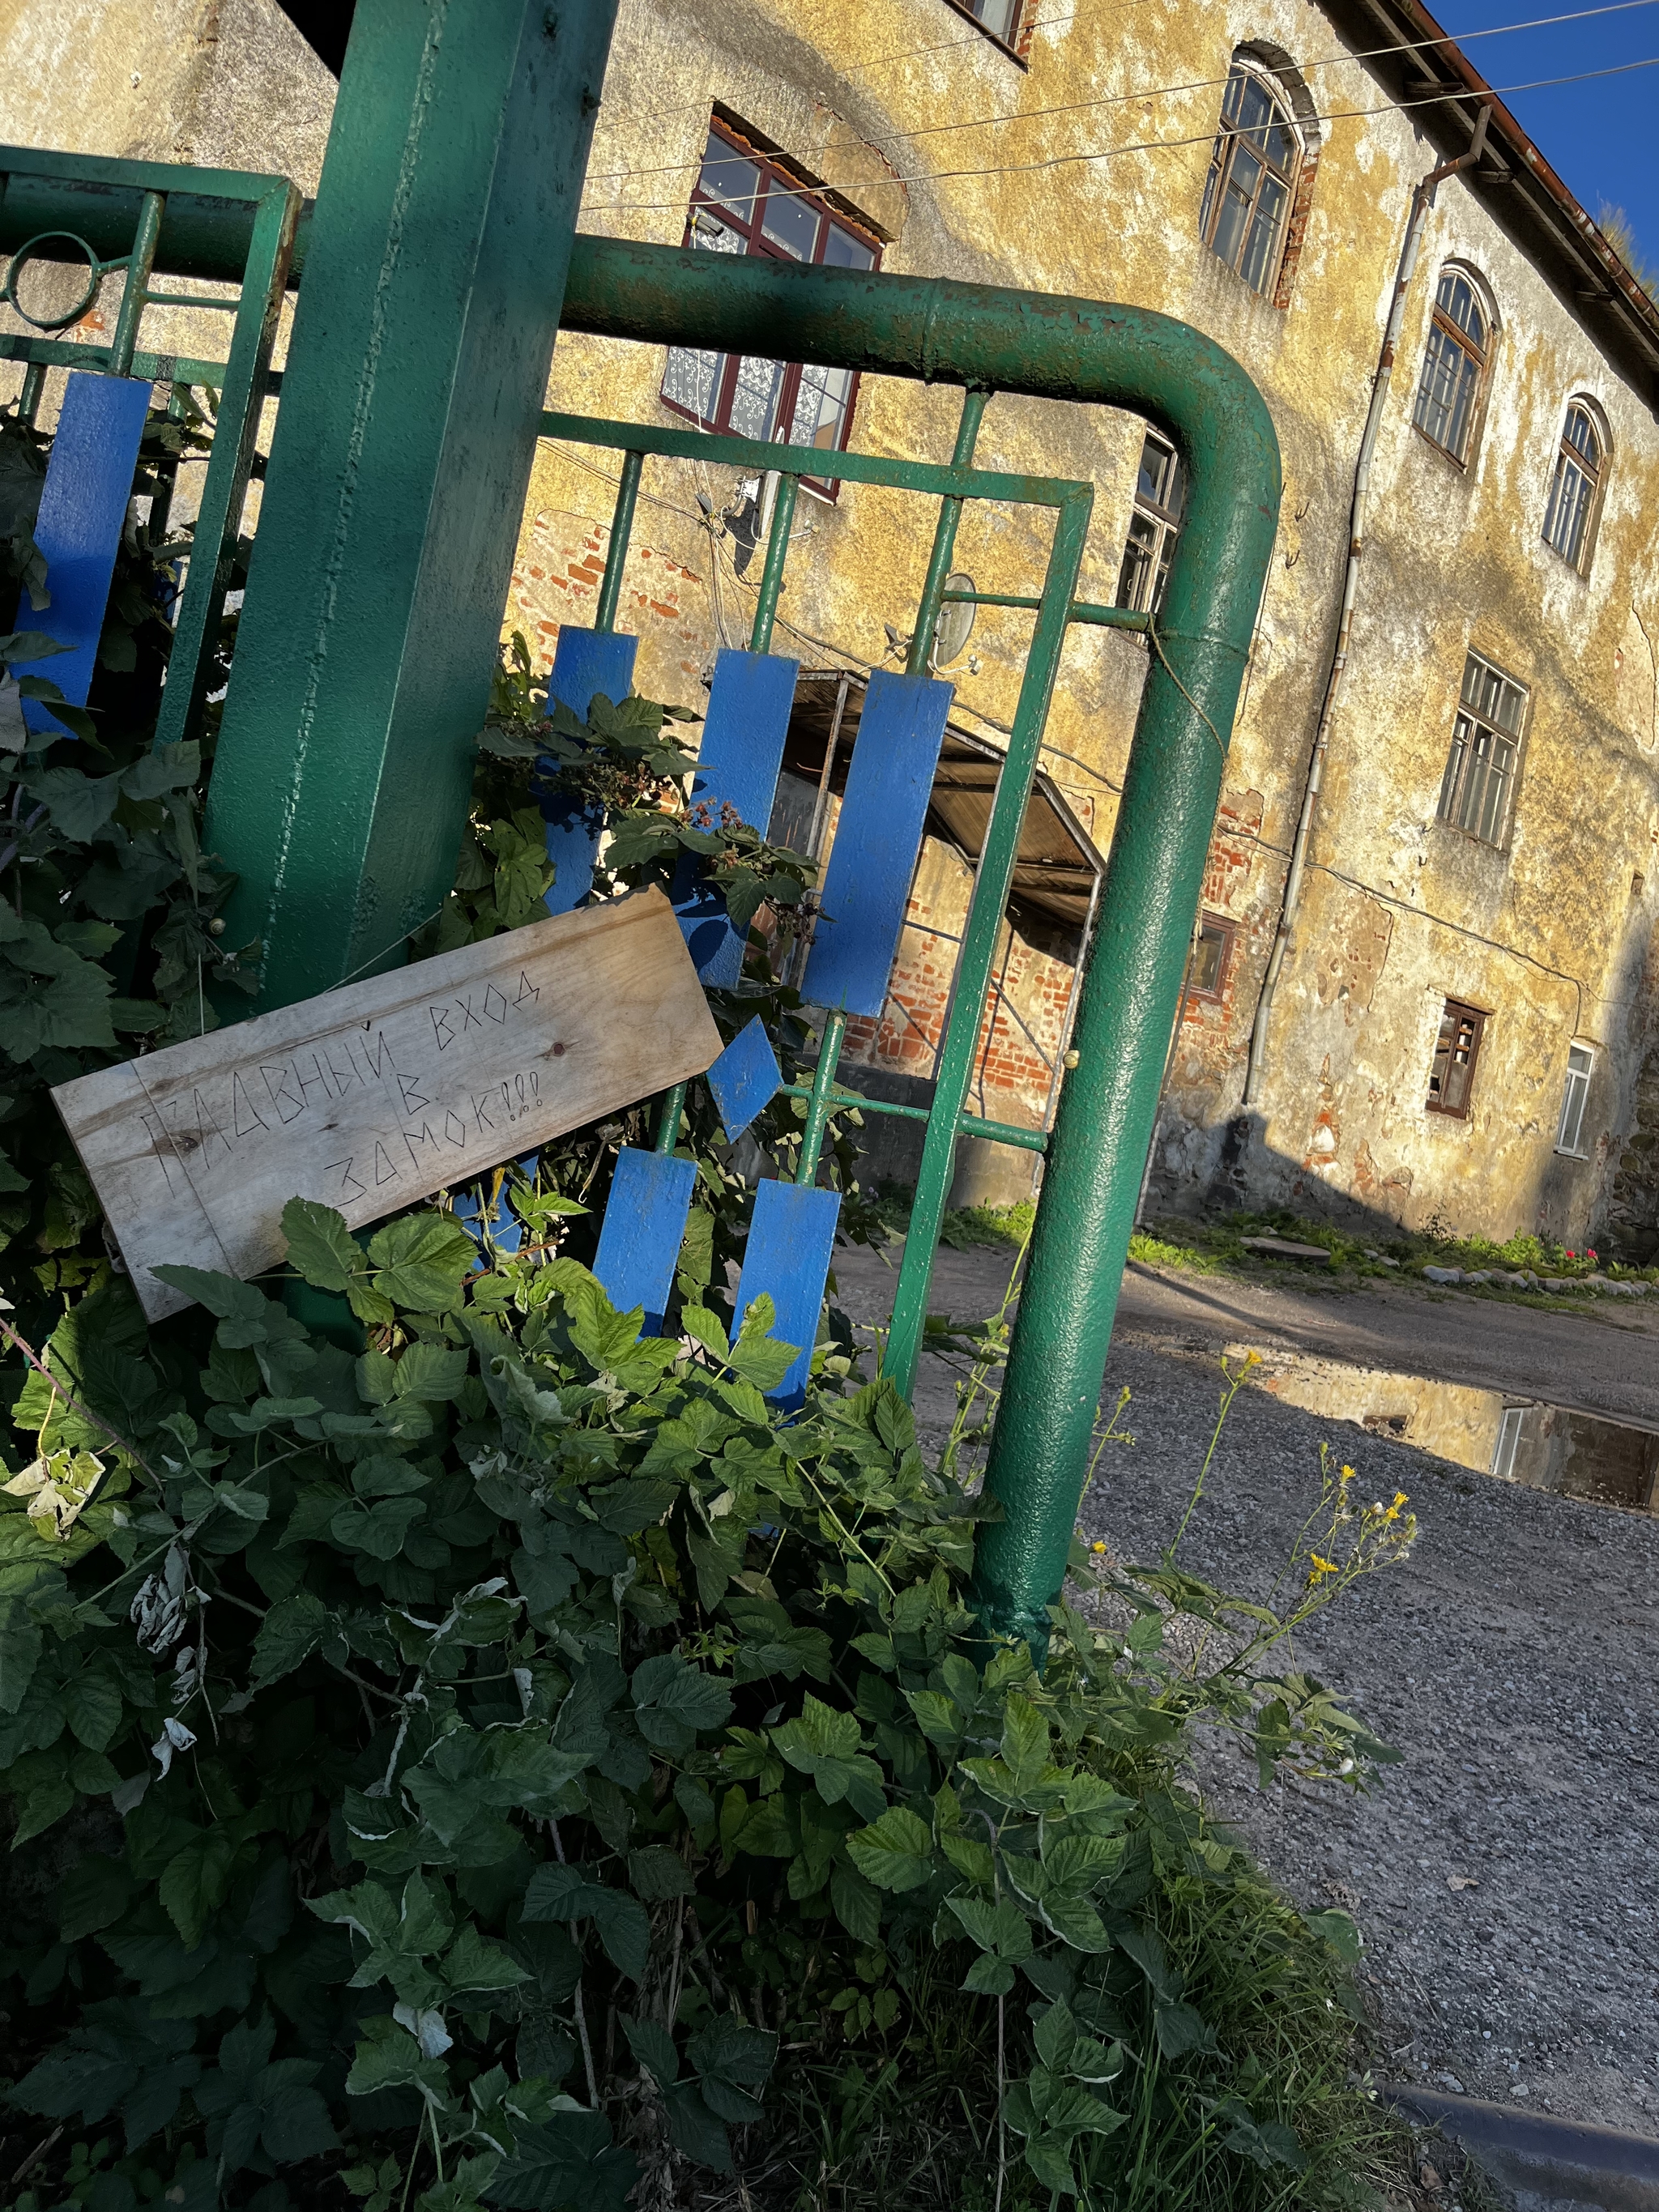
{"x": 1506, "y": 1874}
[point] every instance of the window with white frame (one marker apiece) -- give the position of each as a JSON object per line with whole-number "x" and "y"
{"x": 1570, "y": 1137}
{"x": 1154, "y": 527}
{"x": 1509, "y": 1438}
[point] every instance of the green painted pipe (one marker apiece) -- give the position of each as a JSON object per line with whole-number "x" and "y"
{"x": 1077, "y": 350}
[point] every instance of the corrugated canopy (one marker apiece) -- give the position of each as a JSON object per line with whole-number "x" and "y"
{"x": 1057, "y": 868}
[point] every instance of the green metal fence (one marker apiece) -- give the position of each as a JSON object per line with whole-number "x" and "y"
{"x": 982, "y": 339}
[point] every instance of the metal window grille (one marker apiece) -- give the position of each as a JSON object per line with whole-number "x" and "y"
{"x": 1454, "y": 367}
{"x": 1573, "y": 488}
{"x": 1253, "y": 169}
{"x": 1457, "y": 1049}
{"x": 744, "y": 204}
{"x": 1478, "y": 789}
{"x": 1509, "y": 1438}
{"x": 1154, "y": 527}
{"x": 1569, "y": 1138}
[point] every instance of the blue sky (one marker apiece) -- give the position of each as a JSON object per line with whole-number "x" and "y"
{"x": 1598, "y": 135}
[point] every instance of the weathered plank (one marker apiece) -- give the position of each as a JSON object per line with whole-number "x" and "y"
{"x": 645, "y": 1219}
{"x": 791, "y": 1240}
{"x": 378, "y": 1094}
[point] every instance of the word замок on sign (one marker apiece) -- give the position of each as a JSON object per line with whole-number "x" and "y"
{"x": 378, "y": 1094}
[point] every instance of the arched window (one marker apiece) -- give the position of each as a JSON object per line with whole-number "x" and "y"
{"x": 1576, "y": 487}
{"x": 1453, "y": 382}
{"x": 1253, "y": 172}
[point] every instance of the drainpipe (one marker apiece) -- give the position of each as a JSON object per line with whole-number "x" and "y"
{"x": 1422, "y": 201}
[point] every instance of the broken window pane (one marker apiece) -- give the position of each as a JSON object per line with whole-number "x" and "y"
{"x": 1451, "y": 1074}
{"x": 1581, "y": 1062}
{"x": 1207, "y": 977}
{"x": 1478, "y": 789}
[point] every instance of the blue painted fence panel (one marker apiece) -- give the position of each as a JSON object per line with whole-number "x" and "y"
{"x": 738, "y": 765}
{"x": 866, "y": 885}
{"x": 744, "y": 1078}
{"x": 790, "y": 1239}
{"x": 644, "y": 1228}
{"x": 584, "y": 661}
{"x": 83, "y": 506}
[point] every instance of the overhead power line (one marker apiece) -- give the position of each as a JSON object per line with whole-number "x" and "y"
{"x": 1168, "y": 91}
{"x": 1163, "y": 145}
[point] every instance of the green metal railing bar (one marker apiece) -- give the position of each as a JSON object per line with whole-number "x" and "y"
{"x": 621, "y": 528}
{"x": 42, "y": 354}
{"x": 944, "y": 539}
{"x": 842, "y": 1101}
{"x": 1076, "y": 351}
{"x": 777, "y": 552}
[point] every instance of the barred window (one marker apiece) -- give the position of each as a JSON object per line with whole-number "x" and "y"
{"x": 1477, "y": 795}
{"x": 1570, "y": 1137}
{"x": 1154, "y": 527}
{"x": 1576, "y": 488}
{"x": 1456, "y": 1051}
{"x": 745, "y": 204}
{"x": 1253, "y": 172}
{"x": 1450, "y": 390}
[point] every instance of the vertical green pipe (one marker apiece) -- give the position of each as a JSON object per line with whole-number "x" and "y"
{"x": 777, "y": 551}
{"x": 1050, "y": 1399}
{"x": 944, "y": 537}
{"x": 668, "y": 1120}
{"x": 817, "y": 1106}
{"x": 190, "y": 664}
{"x": 991, "y": 882}
{"x": 621, "y": 528}
{"x": 35, "y": 383}
{"x": 135, "y": 289}
{"x": 166, "y": 472}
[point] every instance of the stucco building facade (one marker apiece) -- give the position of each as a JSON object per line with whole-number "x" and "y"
{"x": 1460, "y": 1025}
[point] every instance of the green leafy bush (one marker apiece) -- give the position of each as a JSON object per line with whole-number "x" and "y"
{"x": 483, "y": 1753}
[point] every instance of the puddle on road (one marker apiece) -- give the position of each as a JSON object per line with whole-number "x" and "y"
{"x": 1521, "y": 1440}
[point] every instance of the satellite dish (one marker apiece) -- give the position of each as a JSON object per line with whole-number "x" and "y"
{"x": 956, "y": 620}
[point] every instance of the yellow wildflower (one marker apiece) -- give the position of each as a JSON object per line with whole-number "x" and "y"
{"x": 1347, "y": 1475}
{"x": 1322, "y": 1567}
{"x": 1096, "y": 1545}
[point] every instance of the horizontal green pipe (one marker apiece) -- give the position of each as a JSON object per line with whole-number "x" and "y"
{"x": 1080, "y": 611}
{"x": 206, "y": 230}
{"x": 970, "y": 1125}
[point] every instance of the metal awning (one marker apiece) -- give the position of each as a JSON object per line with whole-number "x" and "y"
{"x": 1057, "y": 869}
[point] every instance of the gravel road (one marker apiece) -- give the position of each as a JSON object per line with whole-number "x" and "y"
{"x": 1506, "y": 1874}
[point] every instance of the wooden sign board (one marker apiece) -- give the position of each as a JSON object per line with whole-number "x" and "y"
{"x": 382, "y": 1093}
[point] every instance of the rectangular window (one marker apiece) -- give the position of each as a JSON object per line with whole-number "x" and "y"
{"x": 1451, "y": 1078}
{"x": 1570, "y": 1137}
{"x": 1154, "y": 527}
{"x": 745, "y": 204}
{"x": 1477, "y": 791}
{"x": 1213, "y": 948}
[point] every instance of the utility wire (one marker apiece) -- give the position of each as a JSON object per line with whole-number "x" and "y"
{"x": 1171, "y": 91}
{"x": 1162, "y": 145}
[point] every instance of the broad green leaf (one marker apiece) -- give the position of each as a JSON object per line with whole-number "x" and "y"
{"x": 654, "y": 2047}
{"x": 287, "y": 1636}
{"x": 321, "y": 1246}
{"x": 895, "y": 1852}
{"x": 566, "y": 1894}
{"x": 673, "y": 1702}
{"x": 1025, "y": 1745}
{"x": 567, "y": 2163}
{"x": 21, "y": 1636}
{"x": 195, "y": 1882}
{"x": 733, "y": 2061}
